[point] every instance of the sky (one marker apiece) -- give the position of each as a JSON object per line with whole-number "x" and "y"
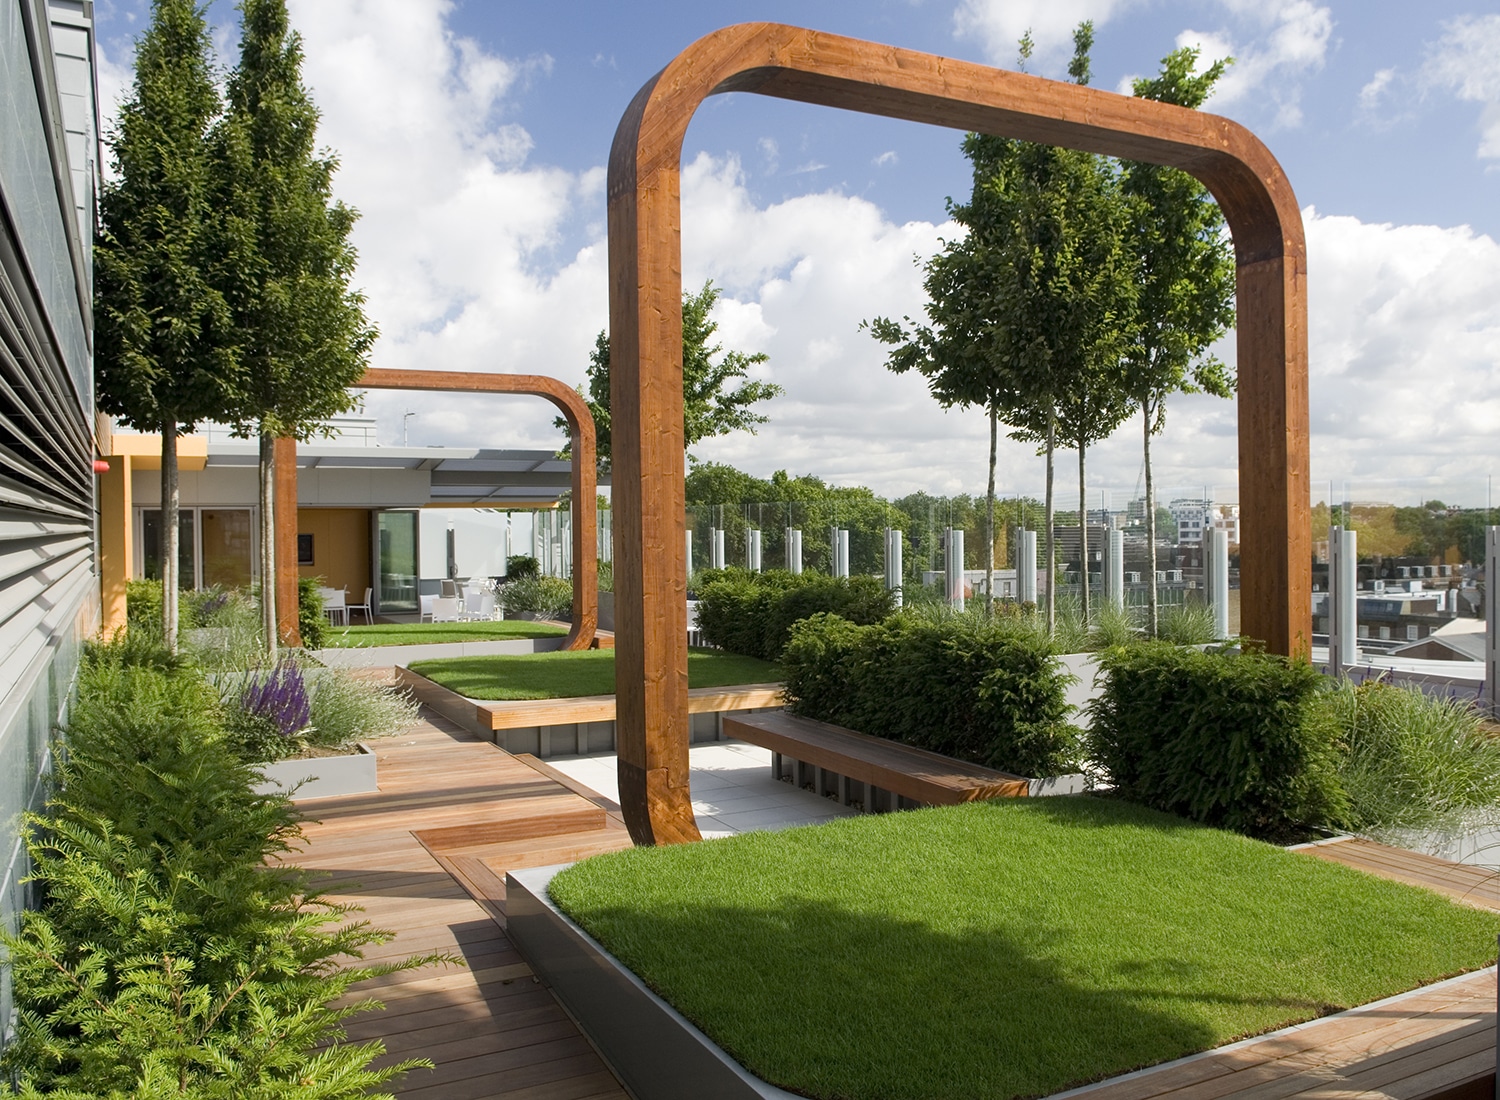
{"x": 473, "y": 136}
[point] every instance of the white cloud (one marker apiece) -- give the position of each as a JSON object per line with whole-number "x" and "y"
{"x": 887, "y": 158}
{"x": 1466, "y": 62}
{"x": 999, "y": 24}
{"x": 1284, "y": 41}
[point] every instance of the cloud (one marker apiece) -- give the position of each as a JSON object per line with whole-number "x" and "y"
{"x": 1466, "y": 62}
{"x": 1280, "y": 42}
{"x": 999, "y": 24}
{"x": 887, "y": 158}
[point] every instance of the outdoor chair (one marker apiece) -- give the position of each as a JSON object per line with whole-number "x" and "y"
{"x": 448, "y": 589}
{"x": 335, "y": 605}
{"x": 363, "y": 608}
{"x": 427, "y": 604}
{"x": 445, "y": 609}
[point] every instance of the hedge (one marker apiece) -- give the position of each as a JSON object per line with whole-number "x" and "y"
{"x": 753, "y": 613}
{"x": 1221, "y": 738}
{"x": 984, "y": 692}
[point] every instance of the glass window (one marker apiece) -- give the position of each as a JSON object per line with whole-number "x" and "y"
{"x": 228, "y": 540}
{"x": 151, "y": 546}
{"x": 397, "y": 539}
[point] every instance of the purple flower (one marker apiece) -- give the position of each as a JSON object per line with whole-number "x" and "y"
{"x": 281, "y": 696}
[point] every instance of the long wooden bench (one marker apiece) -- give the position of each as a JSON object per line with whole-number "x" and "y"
{"x": 874, "y": 772}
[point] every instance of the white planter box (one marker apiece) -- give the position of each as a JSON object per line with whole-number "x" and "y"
{"x": 322, "y": 777}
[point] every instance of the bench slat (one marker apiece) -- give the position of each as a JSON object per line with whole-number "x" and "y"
{"x": 913, "y": 773}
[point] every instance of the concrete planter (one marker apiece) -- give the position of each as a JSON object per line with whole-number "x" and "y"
{"x": 1085, "y": 666}
{"x": 386, "y": 656}
{"x": 322, "y": 777}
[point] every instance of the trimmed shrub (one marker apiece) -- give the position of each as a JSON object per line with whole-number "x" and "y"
{"x": 519, "y": 567}
{"x": 753, "y": 613}
{"x": 1217, "y": 737}
{"x": 983, "y": 692}
{"x": 311, "y": 622}
{"x": 1411, "y": 764}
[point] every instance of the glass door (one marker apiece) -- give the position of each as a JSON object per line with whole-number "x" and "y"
{"x": 396, "y": 562}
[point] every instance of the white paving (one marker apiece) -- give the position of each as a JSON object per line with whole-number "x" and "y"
{"x": 733, "y": 791}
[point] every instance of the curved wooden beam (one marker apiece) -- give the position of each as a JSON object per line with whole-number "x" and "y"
{"x": 585, "y": 467}
{"x": 645, "y": 315}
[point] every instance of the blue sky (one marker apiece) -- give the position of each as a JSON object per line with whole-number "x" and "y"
{"x": 473, "y": 136}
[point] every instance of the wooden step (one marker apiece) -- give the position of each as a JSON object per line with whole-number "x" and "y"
{"x": 580, "y": 817}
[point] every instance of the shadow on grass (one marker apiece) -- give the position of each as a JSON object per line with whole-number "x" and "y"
{"x": 875, "y": 1006}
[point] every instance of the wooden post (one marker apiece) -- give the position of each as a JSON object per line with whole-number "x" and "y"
{"x": 585, "y": 467}
{"x": 645, "y": 313}
{"x": 284, "y": 490}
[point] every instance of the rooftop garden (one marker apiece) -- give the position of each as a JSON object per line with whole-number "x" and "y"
{"x": 1005, "y": 949}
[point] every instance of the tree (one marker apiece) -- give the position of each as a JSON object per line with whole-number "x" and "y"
{"x": 303, "y": 333}
{"x": 710, "y": 407}
{"x": 1185, "y": 281}
{"x": 165, "y": 355}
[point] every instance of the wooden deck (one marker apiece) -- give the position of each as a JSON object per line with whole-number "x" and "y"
{"x": 451, "y": 807}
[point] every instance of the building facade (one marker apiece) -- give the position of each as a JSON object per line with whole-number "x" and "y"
{"x": 49, "y": 598}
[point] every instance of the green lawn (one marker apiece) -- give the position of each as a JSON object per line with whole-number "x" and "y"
{"x": 1005, "y": 949}
{"x": 432, "y": 633}
{"x": 586, "y": 672}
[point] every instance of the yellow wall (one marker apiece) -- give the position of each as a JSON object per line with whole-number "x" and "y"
{"x": 116, "y": 541}
{"x": 341, "y": 547}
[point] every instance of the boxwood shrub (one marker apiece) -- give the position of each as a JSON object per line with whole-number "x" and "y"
{"x": 984, "y": 692}
{"x": 1219, "y": 737}
{"x": 753, "y": 613}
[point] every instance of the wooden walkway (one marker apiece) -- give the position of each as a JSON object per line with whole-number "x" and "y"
{"x": 452, "y": 806}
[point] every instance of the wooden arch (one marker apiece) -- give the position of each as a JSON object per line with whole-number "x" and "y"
{"x": 585, "y": 467}
{"x": 645, "y": 316}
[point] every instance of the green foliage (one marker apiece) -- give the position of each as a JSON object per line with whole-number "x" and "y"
{"x": 550, "y": 597}
{"x": 348, "y": 708}
{"x": 986, "y": 692}
{"x": 312, "y": 624}
{"x": 1411, "y": 764}
{"x": 1220, "y": 738}
{"x": 710, "y": 407}
{"x": 753, "y": 613}
{"x": 165, "y": 349}
{"x": 1186, "y": 624}
{"x": 168, "y": 958}
{"x": 520, "y": 566}
{"x": 143, "y": 606}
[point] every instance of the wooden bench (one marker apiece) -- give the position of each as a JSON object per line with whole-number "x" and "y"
{"x": 878, "y": 773}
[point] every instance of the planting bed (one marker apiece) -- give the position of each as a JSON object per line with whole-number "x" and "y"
{"x": 1005, "y": 949}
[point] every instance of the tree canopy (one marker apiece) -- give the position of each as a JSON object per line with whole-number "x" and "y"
{"x": 717, "y": 393}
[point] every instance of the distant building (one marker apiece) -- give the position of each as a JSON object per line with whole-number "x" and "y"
{"x": 1194, "y": 516}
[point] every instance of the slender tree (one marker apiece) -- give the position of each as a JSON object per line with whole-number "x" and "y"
{"x": 717, "y": 394}
{"x": 303, "y": 333}
{"x": 1185, "y": 279}
{"x": 165, "y": 348}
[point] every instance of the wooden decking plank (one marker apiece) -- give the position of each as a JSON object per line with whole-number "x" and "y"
{"x": 493, "y": 1029}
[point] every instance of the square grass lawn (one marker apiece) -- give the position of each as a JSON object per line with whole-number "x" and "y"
{"x": 569, "y": 675}
{"x": 1005, "y": 949}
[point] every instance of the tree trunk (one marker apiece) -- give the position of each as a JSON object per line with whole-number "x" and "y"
{"x": 171, "y": 541}
{"x": 989, "y": 527}
{"x": 1083, "y": 531}
{"x": 1050, "y": 548}
{"x": 1152, "y": 622}
{"x": 268, "y": 543}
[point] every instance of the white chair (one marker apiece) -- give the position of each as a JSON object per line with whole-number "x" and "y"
{"x": 335, "y": 607}
{"x": 445, "y": 609}
{"x": 448, "y": 589}
{"x": 363, "y": 608}
{"x": 427, "y": 605}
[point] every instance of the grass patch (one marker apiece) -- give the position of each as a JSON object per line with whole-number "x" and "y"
{"x": 378, "y": 634}
{"x": 1005, "y": 949}
{"x": 585, "y": 672}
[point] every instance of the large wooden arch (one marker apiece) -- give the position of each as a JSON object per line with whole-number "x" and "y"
{"x": 645, "y": 316}
{"x": 585, "y": 467}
